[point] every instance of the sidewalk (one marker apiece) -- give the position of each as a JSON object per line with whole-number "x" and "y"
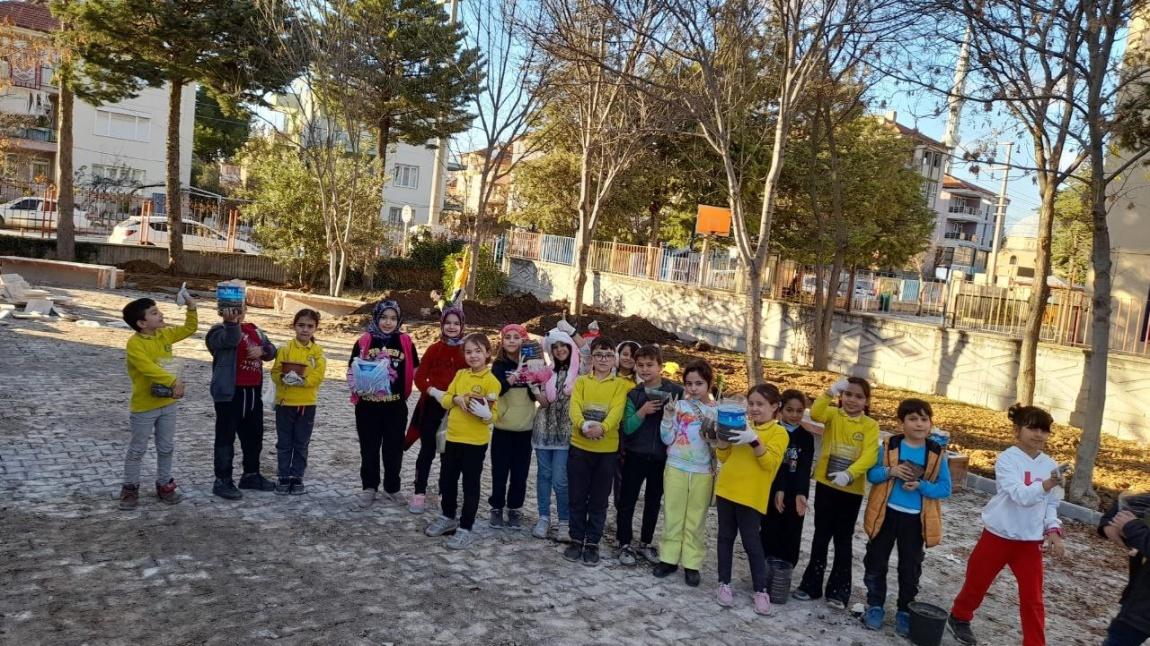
{"x": 313, "y": 569}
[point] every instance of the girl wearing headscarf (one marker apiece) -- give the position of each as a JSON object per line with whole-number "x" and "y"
{"x": 440, "y": 362}
{"x": 381, "y": 371}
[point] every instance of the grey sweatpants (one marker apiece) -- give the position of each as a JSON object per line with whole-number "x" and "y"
{"x": 161, "y": 423}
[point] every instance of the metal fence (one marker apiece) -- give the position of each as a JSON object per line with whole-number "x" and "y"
{"x": 714, "y": 269}
{"x": 872, "y": 291}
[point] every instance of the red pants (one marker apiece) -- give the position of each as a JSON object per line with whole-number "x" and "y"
{"x": 990, "y": 555}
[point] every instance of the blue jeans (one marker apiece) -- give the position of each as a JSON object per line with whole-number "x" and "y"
{"x": 1123, "y": 634}
{"x": 551, "y": 475}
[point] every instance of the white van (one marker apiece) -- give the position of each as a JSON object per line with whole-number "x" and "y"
{"x": 37, "y": 212}
{"x": 197, "y": 237}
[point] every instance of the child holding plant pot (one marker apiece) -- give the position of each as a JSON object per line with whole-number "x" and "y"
{"x": 297, "y": 372}
{"x": 850, "y": 447}
{"x": 750, "y": 459}
{"x": 782, "y": 529}
{"x": 1019, "y": 523}
{"x": 511, "y": 439}
{"x": 597, "y": 403}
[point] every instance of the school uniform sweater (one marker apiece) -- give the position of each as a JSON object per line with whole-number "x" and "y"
{"x": 745, "y": 478}
{"x": 845, "y": 435}
{"x": 462, "y": 426}
{"x": 641, "y": 434}
{"x": 145, "y": 355}
{"x": 310, "y": 355}
{"x": 1021, "y": 510}
{"x": 610, "y": 395}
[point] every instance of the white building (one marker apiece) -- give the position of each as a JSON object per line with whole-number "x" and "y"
{"x": 124, "y": 140}
{"x": 408, "y": 167}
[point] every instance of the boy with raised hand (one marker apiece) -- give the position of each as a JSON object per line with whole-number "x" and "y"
{"x": 238, "y": 351}
{"x": 155, "y": 391}
{"x": 1127, "y": 525}
{"x": 645, "y": 455}
{"x": 910, "y": 480}
{"x": 597, "y": 403}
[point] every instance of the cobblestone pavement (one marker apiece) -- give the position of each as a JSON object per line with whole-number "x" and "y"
{"x": 312, "y": 569}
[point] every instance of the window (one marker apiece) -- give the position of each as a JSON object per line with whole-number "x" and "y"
{"x": 28, "y": 204}
{"x": 122, "y": 126}
{"x": 395, "y": 215}
{"x": 1014, "y": 260}
{"x": 41, "y": 169}
{"x": 118, "y": 173}
{"x": 406, "y": 176}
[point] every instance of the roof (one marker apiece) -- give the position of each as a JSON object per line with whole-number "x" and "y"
{"x": 912, "y": 133}
{"x": 26, "y": 15}
{"x": 952, "y": 183}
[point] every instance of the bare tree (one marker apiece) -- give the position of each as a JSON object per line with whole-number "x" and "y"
{"x": 512, "y": 77}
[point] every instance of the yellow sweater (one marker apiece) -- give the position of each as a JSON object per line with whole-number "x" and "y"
{"x": 310, "y": 355}
{"x": 745, "y": 478}
{"x": 462, "y": 426}
{"x": 854, "y": 438}
{"x": 145, "y": 355}
{"x": 608, "y": 395}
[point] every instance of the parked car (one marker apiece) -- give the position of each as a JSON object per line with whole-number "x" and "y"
{"x": 37, "y": 212}
{"x": 197, "y": 237}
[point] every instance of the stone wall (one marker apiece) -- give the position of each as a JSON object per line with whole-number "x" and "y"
{"x": 978, "y": 368}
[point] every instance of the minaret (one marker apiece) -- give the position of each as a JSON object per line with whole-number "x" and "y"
{"x": 955, "y": 100}
{"x": 438, "y": 170}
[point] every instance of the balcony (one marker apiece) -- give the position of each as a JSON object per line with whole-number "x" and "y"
{"x": 959, "y": 235}
{"x": 46, "y": 135}
{"x": 964, "y": 213}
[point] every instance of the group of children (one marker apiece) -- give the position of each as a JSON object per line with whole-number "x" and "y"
{"x": 603, "y": 418}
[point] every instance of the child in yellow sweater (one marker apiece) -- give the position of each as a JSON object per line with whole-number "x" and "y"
{"x": 298, "y": 372}
{"x": 749, "y": 461}
{"x": 850, "y": 448}
{"x": 470, "y": 405}
{"x": 155, "y": 391}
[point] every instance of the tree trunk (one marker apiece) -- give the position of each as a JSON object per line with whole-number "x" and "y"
{"x": 381, "y": 144}
{"x": 172, "y": 180}
{"x": 752, "y": 330}
{"x": 65, "y": 177}
{"x": 470, "y": 289}
{"x": 582, "y": 251}
{"x": 825, "y": 318}
{"x": 1028, "y": 354}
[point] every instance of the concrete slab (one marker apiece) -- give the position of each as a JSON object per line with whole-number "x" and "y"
{"x": 38, "y": 271}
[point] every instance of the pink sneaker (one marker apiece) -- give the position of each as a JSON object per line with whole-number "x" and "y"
{"x": 762, "y": 603}
{"x": 418, "y": 504}
{"x": 726, "y": 596}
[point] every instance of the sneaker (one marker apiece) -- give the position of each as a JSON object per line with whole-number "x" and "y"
{"x": 961, "y": 631}
{"x": 441, "y": 525}
{"x": 762, "y": 603}
{"x": 257, "y": 482}
{"x": 691, "y": 577}
{"x": 627, "y": 556}
{"x": 725, "y": 596}
{"x": 648, "y": 553}
{"x": 365, "y": 498}
{"x": 418, "y": 504}
{"x": 514, "y": 519}
{"x": 496, "y": 521}
{"x": 226, "y": 489}
{"x": 837, "y": 604}
{"x": 168, "y": 493}
{"x": 129, "y": 496}
{"x": 460, "y": 541}
{"x": 591, "y": 555}
{"x": 283, "y": 488}
{"x": 663, "y": 570}
{"x": 872, "y": 617}
{"x": 397, "y": 498}
{"x": 563, "y": 532}
{"x": 542, "y": 528}
{"x": 801, "y": 595}
{"x": 902, "y": 623}
{"x": 297, "y": 487}
{"x": 574, "y": 552}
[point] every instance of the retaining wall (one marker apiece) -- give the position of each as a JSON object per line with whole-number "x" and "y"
{"x": 196, "y": 263}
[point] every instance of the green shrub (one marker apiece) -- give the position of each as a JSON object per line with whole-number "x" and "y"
{"x": 41, "y": 248}
{"x": 421, "y": 268}
{"x": 489, "y": 280}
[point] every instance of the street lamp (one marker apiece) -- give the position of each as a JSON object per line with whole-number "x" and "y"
{"x": 407, "y": 214}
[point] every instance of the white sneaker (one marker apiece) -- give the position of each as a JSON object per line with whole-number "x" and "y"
{"x": 542, "y": 528}
{"x": 365, "y": 498}
{"x": 441, "y": 525}
{"x": 397, "y": 498}
{"x": 563, "y": 532}
{"x": 461, "y": 540}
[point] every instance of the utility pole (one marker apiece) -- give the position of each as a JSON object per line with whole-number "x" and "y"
{"x": 999, "y": 216}
{"x": 438, "y": 169}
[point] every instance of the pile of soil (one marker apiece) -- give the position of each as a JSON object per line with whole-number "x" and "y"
{"x": 411, "y": 302}
{"x": 142, "y": 267}
{"x": 516, "y": 308}
{"x": 618, "y": 329}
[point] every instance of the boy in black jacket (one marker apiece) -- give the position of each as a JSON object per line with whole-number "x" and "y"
{"x": 645, "y": 455}
{"x": 782, "y": 528}
{"x": 1132, "y": 625}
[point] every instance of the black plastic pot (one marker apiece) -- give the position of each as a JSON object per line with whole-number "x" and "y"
{"x": 927, "y": 624}
{"x": 779, "y": 580}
